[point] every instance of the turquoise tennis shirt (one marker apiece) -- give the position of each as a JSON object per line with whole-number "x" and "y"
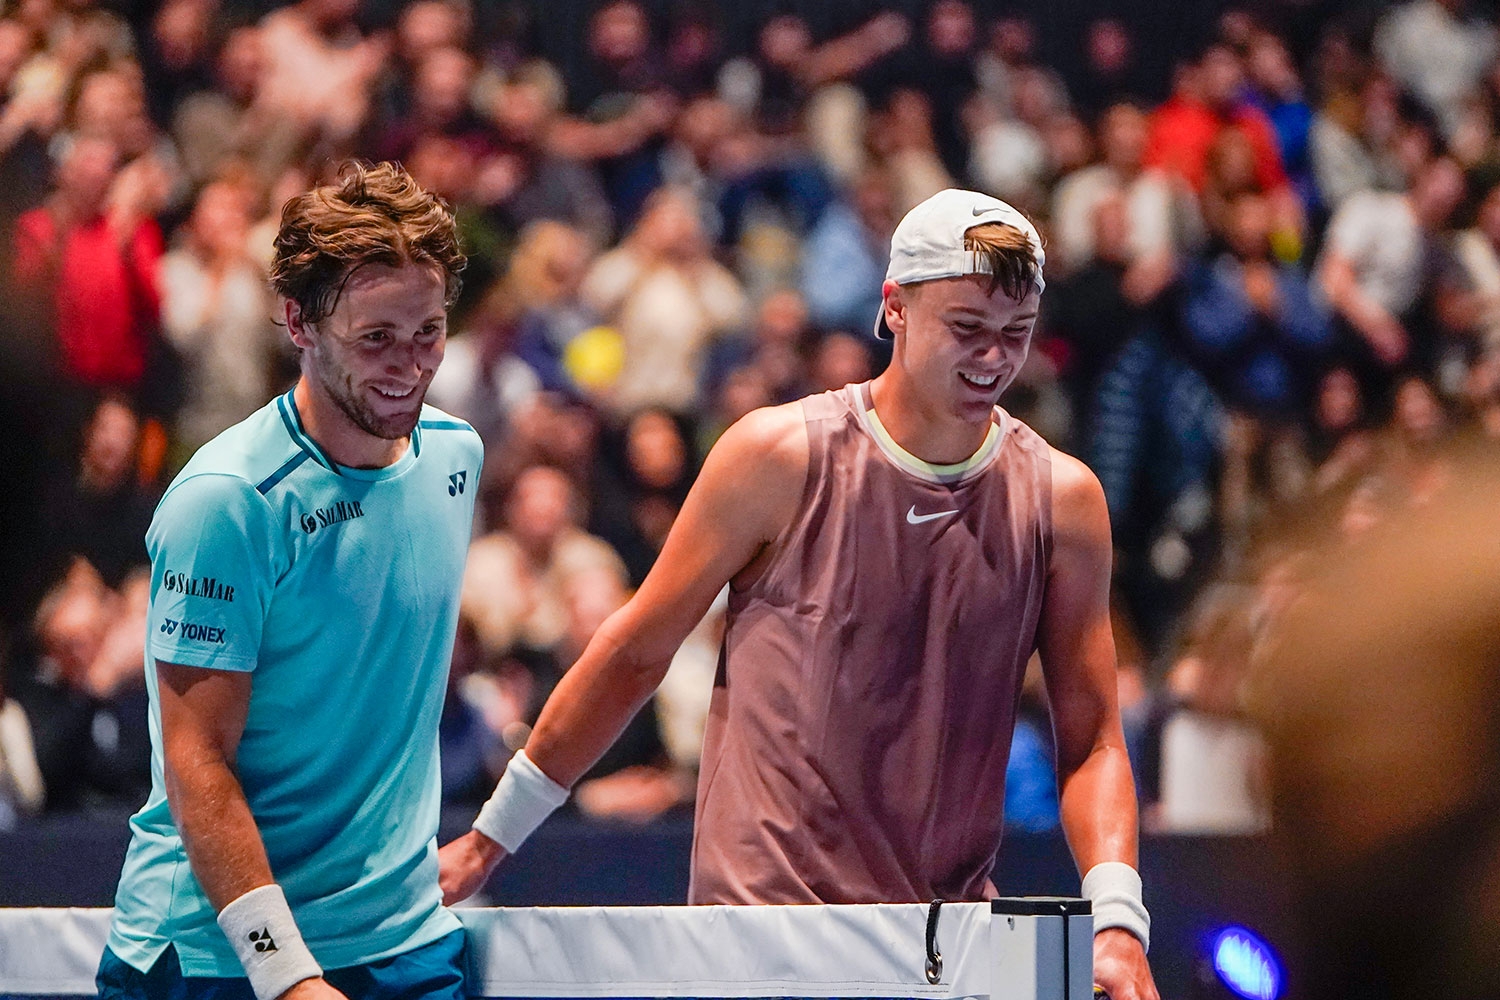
{"x": 337, "y": 588}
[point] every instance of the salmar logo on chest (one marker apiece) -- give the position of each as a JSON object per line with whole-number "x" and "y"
{"x": 327, "y": 517}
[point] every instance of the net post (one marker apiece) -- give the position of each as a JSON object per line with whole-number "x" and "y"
{"x": 1042, "y": 948}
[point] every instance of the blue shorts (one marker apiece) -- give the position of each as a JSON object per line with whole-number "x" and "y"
{"x": 433, "y": 971}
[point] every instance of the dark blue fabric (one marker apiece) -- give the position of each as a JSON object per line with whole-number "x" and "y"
{"x": 1156, "y": 427}
{"x": 434, "y": 971}
{"x": 1267, "y": 365}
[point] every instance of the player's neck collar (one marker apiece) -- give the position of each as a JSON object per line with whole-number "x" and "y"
{"x": 956, "y": 472}
{"x": 291, "y": 417}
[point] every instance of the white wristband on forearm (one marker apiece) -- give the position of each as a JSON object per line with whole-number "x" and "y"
{"x": 1114, "y": 889}
{"x": 260, "y": 928}
{"x": 524, "y": 797}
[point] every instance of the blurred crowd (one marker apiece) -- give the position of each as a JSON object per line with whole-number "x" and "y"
{"x": 1272, "y": 319}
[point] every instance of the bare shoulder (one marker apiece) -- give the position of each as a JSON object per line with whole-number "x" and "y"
{"x": 771, "y": 426}
{"x": 753, "y": 478}
{"x": 768, "y": 442}
{"x": 1080, "y": 516}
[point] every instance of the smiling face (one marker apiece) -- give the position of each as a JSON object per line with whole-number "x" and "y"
{"x": 959, "y": 344}
{"x": 368, "y": 363}
{"x": 366, "y": 268}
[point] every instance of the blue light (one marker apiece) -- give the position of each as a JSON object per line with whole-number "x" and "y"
{"x": 1247, "y": 965}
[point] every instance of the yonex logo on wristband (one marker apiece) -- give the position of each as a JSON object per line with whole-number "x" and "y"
{"x": 274, "y": 960}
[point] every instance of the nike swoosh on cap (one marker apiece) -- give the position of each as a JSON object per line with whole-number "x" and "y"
{"x": 912, "y": 517}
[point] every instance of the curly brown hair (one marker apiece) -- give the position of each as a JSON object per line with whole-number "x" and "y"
{"x": 373, "y": 214}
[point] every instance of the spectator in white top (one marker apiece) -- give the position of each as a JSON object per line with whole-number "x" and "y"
{"x": 1009, "y": 155}
{"x": 1477, "y": 254}
{"x": 1354, "y": 139}
{"x": 216, "y": 310}
{"x": 1212, "y": 759}
{"x": 1374, "y": 259}
{"x": 1160, "y": 210}
{"x": 515, "y": 584}
{"x": 21, "y": 789}
{"x": 320, "y": 69}
{"x": 1438, "y": 50}
{"x": 668, "y": 298}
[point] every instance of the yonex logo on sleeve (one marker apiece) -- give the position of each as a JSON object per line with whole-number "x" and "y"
{"x": 193, "y": 632}
{"x": 456, "y": 482}
{"x": 262, "y": 940}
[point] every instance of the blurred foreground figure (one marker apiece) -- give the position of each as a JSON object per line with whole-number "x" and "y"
{"x": 1380, "y": 698}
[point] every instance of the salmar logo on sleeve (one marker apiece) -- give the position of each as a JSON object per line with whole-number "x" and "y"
{"x": 197, "y": 586}
{"x": 326, "y": 517}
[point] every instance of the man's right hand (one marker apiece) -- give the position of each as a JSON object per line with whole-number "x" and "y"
{"x": 465, "y": 864}
{"x": 312, "y": 989}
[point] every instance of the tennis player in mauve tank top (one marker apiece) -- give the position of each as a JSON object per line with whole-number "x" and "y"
{"x": 895, "y": 551}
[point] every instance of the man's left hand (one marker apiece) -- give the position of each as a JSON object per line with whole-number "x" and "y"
{"x": 1120, "y": 966}
{"x": 464, "y": 865}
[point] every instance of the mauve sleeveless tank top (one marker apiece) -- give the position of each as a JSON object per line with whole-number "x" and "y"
{"x": 867, "y": 686}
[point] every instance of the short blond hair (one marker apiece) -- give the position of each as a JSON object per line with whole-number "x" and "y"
{"x": 1009, "y": 258}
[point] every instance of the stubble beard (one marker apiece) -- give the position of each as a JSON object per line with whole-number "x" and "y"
{"x": 349, "y": 401}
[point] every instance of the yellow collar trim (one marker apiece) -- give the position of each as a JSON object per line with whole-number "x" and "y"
{"x": 945, "y": 473}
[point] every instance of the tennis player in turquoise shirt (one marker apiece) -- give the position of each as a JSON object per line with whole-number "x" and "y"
{"x": 304, "y": 594}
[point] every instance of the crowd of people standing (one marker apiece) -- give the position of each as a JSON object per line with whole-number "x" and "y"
{"x": 1273, "y": 316}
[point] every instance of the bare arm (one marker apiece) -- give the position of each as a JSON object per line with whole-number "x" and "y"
{"x": 202, "y": 718}
{"x": 1369, "y": 318}
{"x": 746, "y": 494}
{"x": 1078, "y": 660}
{"x": 742, "y": 499}
{"x": 850, "y": 54}
{"x": 577, "y": 138}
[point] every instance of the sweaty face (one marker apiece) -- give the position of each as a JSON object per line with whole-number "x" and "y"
{"x": 375, "y": 354}
{"x": 964, "y": 345}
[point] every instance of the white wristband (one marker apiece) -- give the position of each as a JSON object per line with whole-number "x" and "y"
{"x": 1114, "y": 889}
{"x": 524, "y": 797}
{"x": 260, "y": 928}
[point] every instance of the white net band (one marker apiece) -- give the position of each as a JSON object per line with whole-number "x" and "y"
{"x": 868, "y": 950}
{"x": 705, "y": 951}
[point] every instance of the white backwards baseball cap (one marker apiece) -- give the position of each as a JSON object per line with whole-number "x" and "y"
{"x": 929, "y": 241}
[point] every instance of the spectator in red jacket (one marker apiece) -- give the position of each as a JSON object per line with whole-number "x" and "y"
{"x": 1208, "y": 97}
{"x": 90, "y": 256}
